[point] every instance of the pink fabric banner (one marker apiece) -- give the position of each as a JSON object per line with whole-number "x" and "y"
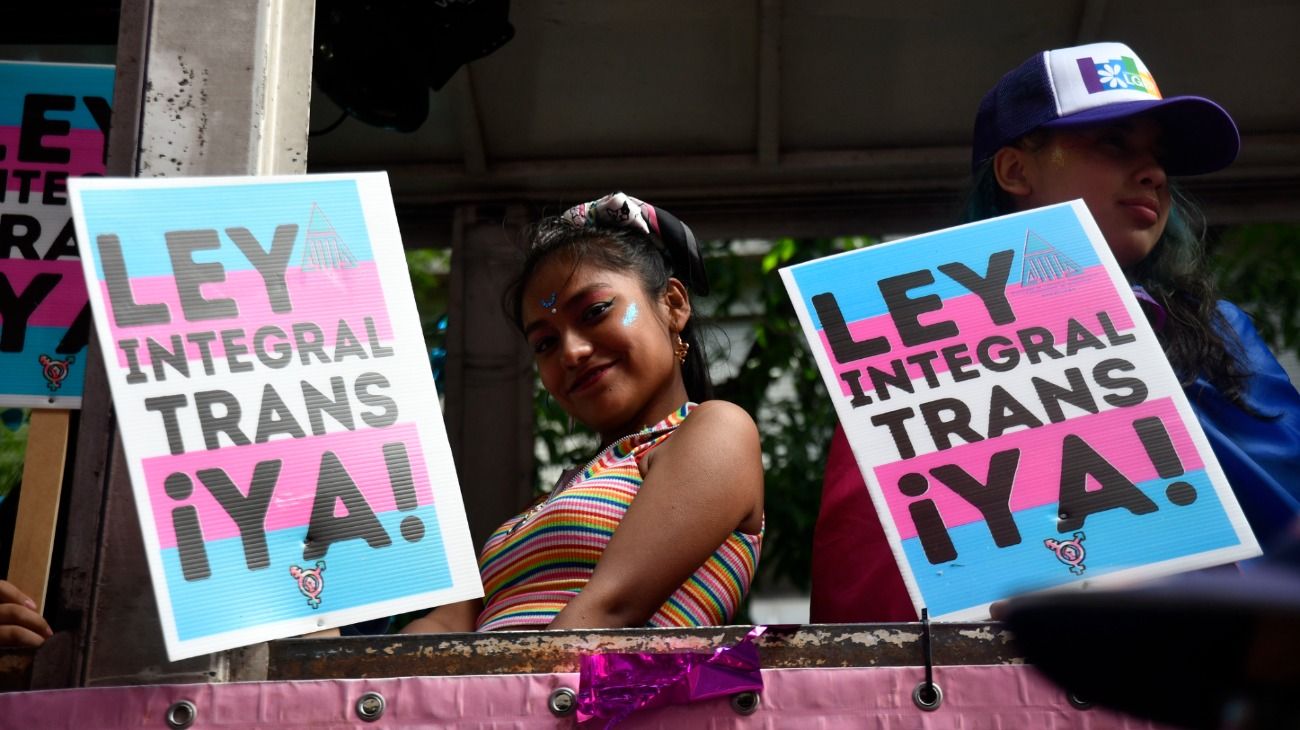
{"x": 993, "y": 696}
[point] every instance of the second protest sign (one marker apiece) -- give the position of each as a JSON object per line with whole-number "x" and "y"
{"x": 1012, "y": 412}
{"x": 276, "y": 404}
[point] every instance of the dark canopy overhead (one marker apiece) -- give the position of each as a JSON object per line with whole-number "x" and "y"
{"x": 813, "y": 115}
{"x": 762, "y": 116}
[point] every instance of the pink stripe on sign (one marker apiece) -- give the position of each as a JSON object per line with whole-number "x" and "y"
{"x": 87, "y": 156}
{"x": 360, "y": 452}
{"x": 320, "y": 297}
{"x": 1038, "y": 473}
{"x": 64, "y": 302}
{"x": 1047, "y": 305}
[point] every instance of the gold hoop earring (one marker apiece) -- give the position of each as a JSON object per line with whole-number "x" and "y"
{"x": 680, "y": 349}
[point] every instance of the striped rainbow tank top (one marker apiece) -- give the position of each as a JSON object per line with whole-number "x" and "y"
{"x": 534, "y": 563}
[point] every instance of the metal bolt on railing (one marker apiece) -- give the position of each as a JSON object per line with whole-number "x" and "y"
{"x": 562, "y": 702}
{"x": 370, "y": 706}
{"x": 181, "y": 715}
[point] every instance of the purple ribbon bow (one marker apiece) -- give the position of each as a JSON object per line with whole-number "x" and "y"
{"x": 613, "y": 686}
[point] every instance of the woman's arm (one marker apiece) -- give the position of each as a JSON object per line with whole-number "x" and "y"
{"x": 699, "y": 485}
{"x": 20, "y": 624}
{"x": 459, "y": 617}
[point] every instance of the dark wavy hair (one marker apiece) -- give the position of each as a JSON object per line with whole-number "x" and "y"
{"x": 614, "y": 249}
{"x": 1196, "y": 337}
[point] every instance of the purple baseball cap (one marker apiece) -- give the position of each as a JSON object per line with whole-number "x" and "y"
{"x": 1095, "y": 84}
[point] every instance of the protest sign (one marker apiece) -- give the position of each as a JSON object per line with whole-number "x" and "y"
{"x": 1013, "y": 415}
{"x": 276, "y": 404}
{"x": 53, "y": 125}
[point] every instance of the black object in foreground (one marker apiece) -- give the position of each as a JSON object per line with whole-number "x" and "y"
{"x": 1208, "y": 650}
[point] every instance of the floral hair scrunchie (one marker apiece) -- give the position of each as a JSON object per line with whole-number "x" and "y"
{"x": 618, "y": 210}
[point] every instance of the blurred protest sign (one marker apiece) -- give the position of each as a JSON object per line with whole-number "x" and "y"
{"x": 53, "y": 125}
{"x": 1013, "y": 415}
{"x": 277, "y": 410}
{"x": 54, "y": 120}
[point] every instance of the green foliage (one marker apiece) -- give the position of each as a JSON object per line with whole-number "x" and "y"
{"x": 13, "y": 445}
{"x": 1258, "y": 267}
{"x": 778, "y": 382}
{"x": 428, "y": 268}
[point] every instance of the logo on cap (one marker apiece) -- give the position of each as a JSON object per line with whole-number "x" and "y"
{"x": 1116, "y": 74}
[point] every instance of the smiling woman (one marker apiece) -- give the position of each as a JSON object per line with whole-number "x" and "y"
{"x": 662, "y": 527}
{"x": 591, "y": 355}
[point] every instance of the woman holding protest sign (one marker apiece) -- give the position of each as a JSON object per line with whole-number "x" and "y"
{"x": 1089, "y": 122}
{"x": 663, "y": 526}
{"x": 20, "y": 624}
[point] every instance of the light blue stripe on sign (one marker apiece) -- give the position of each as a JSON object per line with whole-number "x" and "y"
{"x": 326, "y": 211}
{"x": 853, "y": 276}
{"x": 23, "y": 375}
{"x": 18, "y": 79}
{"x": 1113, "y": 540}
{"x": 355, "y": 575}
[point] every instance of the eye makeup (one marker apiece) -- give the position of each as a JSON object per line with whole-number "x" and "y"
{"x": 630, "y": 315}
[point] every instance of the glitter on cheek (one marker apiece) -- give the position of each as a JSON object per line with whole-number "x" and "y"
{"x": 629, "y": 316}
{"x": 1058, "y": 156}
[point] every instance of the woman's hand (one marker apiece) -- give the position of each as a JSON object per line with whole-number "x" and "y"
{"x": 20, "y": 624}
{"x": 701, "y": 484}
{"x": 459, "y": 617}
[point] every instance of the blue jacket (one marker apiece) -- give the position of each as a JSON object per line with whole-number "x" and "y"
{"x": 1260, "y": 456}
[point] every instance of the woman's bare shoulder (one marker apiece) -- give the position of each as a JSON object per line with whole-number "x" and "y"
{"x": 717, "y": 451}
{"x": 719, "y": 433}
{"x": 719, "y": 415}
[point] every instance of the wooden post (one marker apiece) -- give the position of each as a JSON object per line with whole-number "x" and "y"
{"x": 489, "y": 371}
{"x": 242, "y": 69}
{"x": 38, "y": 503}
